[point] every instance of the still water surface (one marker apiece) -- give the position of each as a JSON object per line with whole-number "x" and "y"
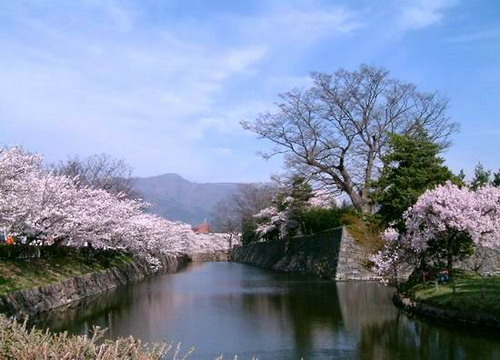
{"x": 230, "y": 308}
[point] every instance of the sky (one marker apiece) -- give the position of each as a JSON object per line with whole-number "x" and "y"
{"x": 164, "y": 84}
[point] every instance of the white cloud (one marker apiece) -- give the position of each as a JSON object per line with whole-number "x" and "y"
{"x": 477, "y": 37}
{"x": 149, "y": 96}
{"x": 298, "y": 25}
{"x": 418, "y": 14}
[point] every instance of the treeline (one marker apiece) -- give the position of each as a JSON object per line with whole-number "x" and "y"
{"x": 61, "y": 206}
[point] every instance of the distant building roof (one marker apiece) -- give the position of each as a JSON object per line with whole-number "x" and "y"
{"x": 203, "y": 228}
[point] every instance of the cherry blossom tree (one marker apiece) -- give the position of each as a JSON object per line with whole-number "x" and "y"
{"x": 389, "y": 261}
{"x": 33, "y": 203}
{"x": 446, "y": 224}
{"x": 281, "y": 219}
{"x": 273, "y": 222}
{"x": 44, "y": 207}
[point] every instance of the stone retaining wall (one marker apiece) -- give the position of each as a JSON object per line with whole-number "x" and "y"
{"x": 40, "y": 299}
{"x": 331, "y": 254}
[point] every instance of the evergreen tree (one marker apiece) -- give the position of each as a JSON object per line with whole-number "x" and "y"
{"x": 461, "y": 176}
{"x": 412, "y": 166}
{"x": 481, "y": 177}
{"x": 496, "y": 179}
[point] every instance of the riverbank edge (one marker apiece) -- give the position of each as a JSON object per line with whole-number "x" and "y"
{"x": 333, "y": 255}
{"x": 44, "y": 298}
{"x": 424, "y": 310}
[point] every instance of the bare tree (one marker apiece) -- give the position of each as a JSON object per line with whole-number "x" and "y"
{"x": 99, "y": 171}
{"x": 226, "y": 220}
{"x": 251, "y": 198}
{"x": 235, "y": 214}
{"x": 336, "y": 132}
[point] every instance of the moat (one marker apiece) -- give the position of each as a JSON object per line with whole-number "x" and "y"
{"x": 230, "y": 308}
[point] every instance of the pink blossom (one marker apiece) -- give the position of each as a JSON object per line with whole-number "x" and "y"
{"x": 41, "y": 206}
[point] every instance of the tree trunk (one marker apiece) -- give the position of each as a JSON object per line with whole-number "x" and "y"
{"x": 449, "y": 260}
{"x": 359, "y": 202}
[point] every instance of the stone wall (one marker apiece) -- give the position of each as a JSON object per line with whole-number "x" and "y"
{"x": 331, "y": 254}
{"x": 40, "y": 299}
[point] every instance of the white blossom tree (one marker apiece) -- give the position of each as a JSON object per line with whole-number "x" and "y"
{"x": 445, "y": 224}
{"x": 45, "y": 207}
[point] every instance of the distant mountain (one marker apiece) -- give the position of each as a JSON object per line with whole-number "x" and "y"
{"x": 176, "y": 198}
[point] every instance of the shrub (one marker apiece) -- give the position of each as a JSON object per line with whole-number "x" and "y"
{"x": 22, "y": 251}
{"x": 320, "y": 219}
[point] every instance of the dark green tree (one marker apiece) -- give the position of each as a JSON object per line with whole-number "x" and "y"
{"x": 461, "y": 176}
{"x": 496, "y": 179}
{"x": 481, "y": 177}
{"x": 413, "y": 165}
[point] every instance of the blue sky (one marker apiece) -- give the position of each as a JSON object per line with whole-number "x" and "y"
{"x": 164, "y": 84}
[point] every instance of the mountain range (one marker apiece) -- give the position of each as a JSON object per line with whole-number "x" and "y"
{"x": 176, "y": 198}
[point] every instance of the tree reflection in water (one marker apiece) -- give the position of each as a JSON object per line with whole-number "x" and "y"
{"x": 237, "y": 309}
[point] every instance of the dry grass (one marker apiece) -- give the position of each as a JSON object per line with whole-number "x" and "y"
{"x": 20, "y": 343}
{"x": 364, "y": 232}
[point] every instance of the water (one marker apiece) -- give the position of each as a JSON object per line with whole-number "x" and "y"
{"x": 229, "y": 308}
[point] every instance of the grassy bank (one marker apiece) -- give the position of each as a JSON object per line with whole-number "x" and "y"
{"x": 27, "y": 273}
{"x": 469, "y": 293}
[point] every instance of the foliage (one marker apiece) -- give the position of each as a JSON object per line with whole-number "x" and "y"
{"x": 319, "y": 219}
{"x": 482, "y": 177}
{"x": 496, "y": 179}
{"x": 249, "y": 234}
{"x": 336, "y": 132}
{"x": 23, "y": 251}
{"x": 293, "y": 210}
{"x": 461, "y": 176}
{"x": 412, "y": 166}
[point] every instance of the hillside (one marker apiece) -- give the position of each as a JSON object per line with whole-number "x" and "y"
{"x": 176, "y": 198}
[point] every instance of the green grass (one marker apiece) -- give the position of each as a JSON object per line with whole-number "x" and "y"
{"x": 473, "y": 294}
{"x": 24, "y": 274}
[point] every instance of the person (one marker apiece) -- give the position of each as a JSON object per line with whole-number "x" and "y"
{"x": 444, "y": 276}
{"x": 426, "y": 275}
